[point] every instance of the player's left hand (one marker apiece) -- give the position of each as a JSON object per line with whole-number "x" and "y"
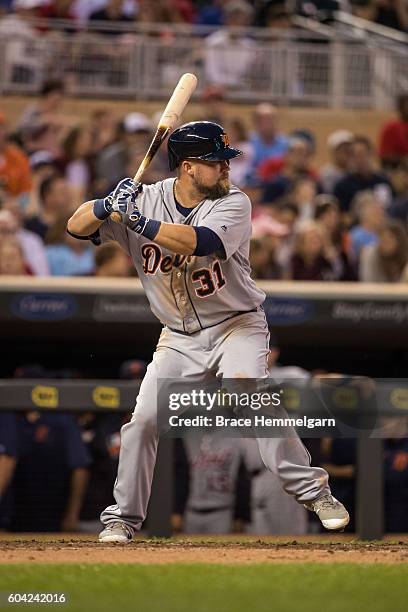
{"x": 123, "y": 198}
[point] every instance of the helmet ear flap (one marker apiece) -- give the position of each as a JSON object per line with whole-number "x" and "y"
{"x": 173, "y": 159}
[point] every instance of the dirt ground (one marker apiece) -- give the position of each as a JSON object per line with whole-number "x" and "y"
{"x": 54, "y": 548}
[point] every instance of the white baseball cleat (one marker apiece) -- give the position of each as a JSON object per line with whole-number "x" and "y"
{"x": 330, "y": 511}
{"x": 116, "y": 532}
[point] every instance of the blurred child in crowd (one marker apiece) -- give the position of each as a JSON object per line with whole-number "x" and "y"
{"x": 311, "y": 259}
{"x": 370, "y": 215}
{"x": 386, "y": 261}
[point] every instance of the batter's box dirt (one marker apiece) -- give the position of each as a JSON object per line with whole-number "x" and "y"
{"x": 43, "y": 549}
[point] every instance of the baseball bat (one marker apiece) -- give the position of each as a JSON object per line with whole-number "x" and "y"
{"x": 172, "y": 113}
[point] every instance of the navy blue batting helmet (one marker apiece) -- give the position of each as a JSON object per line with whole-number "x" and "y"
{"x": 203, "y": 140}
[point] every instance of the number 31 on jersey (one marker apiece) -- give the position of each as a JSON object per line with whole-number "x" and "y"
{"x": 207, "y": 281}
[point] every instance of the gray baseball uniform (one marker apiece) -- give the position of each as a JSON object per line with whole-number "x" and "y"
{"x": 214, "y": 463}
{"x": 214, "y": 325}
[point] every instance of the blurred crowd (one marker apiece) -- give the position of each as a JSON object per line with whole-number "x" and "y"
{"x": 343, "y": 221}
{"x": 259, "y": 13}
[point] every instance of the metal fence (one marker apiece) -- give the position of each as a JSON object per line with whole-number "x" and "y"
{"x": 294, "y": 67}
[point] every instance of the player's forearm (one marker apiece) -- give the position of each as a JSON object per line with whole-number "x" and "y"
{"x": 79, "y": 482}
{"x": 84, "y": 222}
{"x": 7, "y": 466}
{"x": 180, "y": 239}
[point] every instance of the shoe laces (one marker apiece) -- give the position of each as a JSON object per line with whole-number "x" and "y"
{"x": 327, "y": 501}
{"x": 119, "y": 524}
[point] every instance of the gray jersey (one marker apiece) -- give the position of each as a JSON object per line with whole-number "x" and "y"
{"x": 214, "y": 463}
{"x": 189, "y": 293}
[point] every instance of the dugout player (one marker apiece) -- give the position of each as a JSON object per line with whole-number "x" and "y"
{"x": 8, "y": 461}
{"x": 189, "y": 238}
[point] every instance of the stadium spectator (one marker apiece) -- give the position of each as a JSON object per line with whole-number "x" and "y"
{"x": 211, "y": 13}
{"x": 164, "y": 11}
{"x": 229, "y": 55}
{"x": 371, "y": 218}
{"x": 54, "y": 199}
{"x": 362, "y": 176}
{"x": 391, "y": 13}
{"x": 239, "y": 138}
{"x": 214, "y": 105}
{"x": 399, "y": 181}
{"x": 5, "y": 7}
{"x": 11, "y": 225}
{"x": 59, "y": 9}
{"x": 113, "y": 12}
{"x": 303, "y": 194}
{"x": 311, "y": 260}
{"x": 43, "y": 165}
{"x": 262, "y": 256}
{"x": 273, "y": 14}
{"x": 66, "y": 255}
{"x": 286, "y": 213}
{"x": 132, "y": 136}
{"x": 111, "y": 261}
{"x": 339, "y": 147}
{"x": 393, "y": 146}
{"x": 41, "y": 138}
{"x": 77, "y": 150}
{"x": 103, "y": 128}
{"x": 51, "y": 474}
{"x": 47, "y": 111}
{"x": 385, "y": 261}
{"x": 321, "y": 10}
{"x": 266, "y": 139}
{"x": 15, "y": 173}
{"x": 8, "y": 461}
{"x": 337, "y": 240}
{"x": 292, "y": 173}
{"x": 22, "y": 66}
{"x": 12, "y": 260}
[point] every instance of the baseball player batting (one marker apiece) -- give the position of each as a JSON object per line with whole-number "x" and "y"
{"x": 189, "y": 238}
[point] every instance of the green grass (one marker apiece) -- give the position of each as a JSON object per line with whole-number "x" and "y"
{"x": 212, "y": 588}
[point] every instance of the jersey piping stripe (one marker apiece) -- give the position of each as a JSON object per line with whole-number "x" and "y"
{"x": 268, "y": 338}
{"x": 189, "y": 297}
{"x": 175, "y": 301}
{"x": 190, "y": 217}
{"x": 216, "y": 203}
{"x": 164, "y": 202}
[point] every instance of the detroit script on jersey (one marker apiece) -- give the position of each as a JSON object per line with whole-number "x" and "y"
{"x": 189, "y": 293}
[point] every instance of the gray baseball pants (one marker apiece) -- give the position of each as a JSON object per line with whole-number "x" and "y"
{"x": 236, "y": 348}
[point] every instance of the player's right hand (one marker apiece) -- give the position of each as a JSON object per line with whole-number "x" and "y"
{"x": 123, "y": 198}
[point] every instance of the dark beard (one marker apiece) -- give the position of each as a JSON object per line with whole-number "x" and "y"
{"x": 219, "y": 190}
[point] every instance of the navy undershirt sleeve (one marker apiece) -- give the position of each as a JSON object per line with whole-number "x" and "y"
{"x": 207, "y": 242}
